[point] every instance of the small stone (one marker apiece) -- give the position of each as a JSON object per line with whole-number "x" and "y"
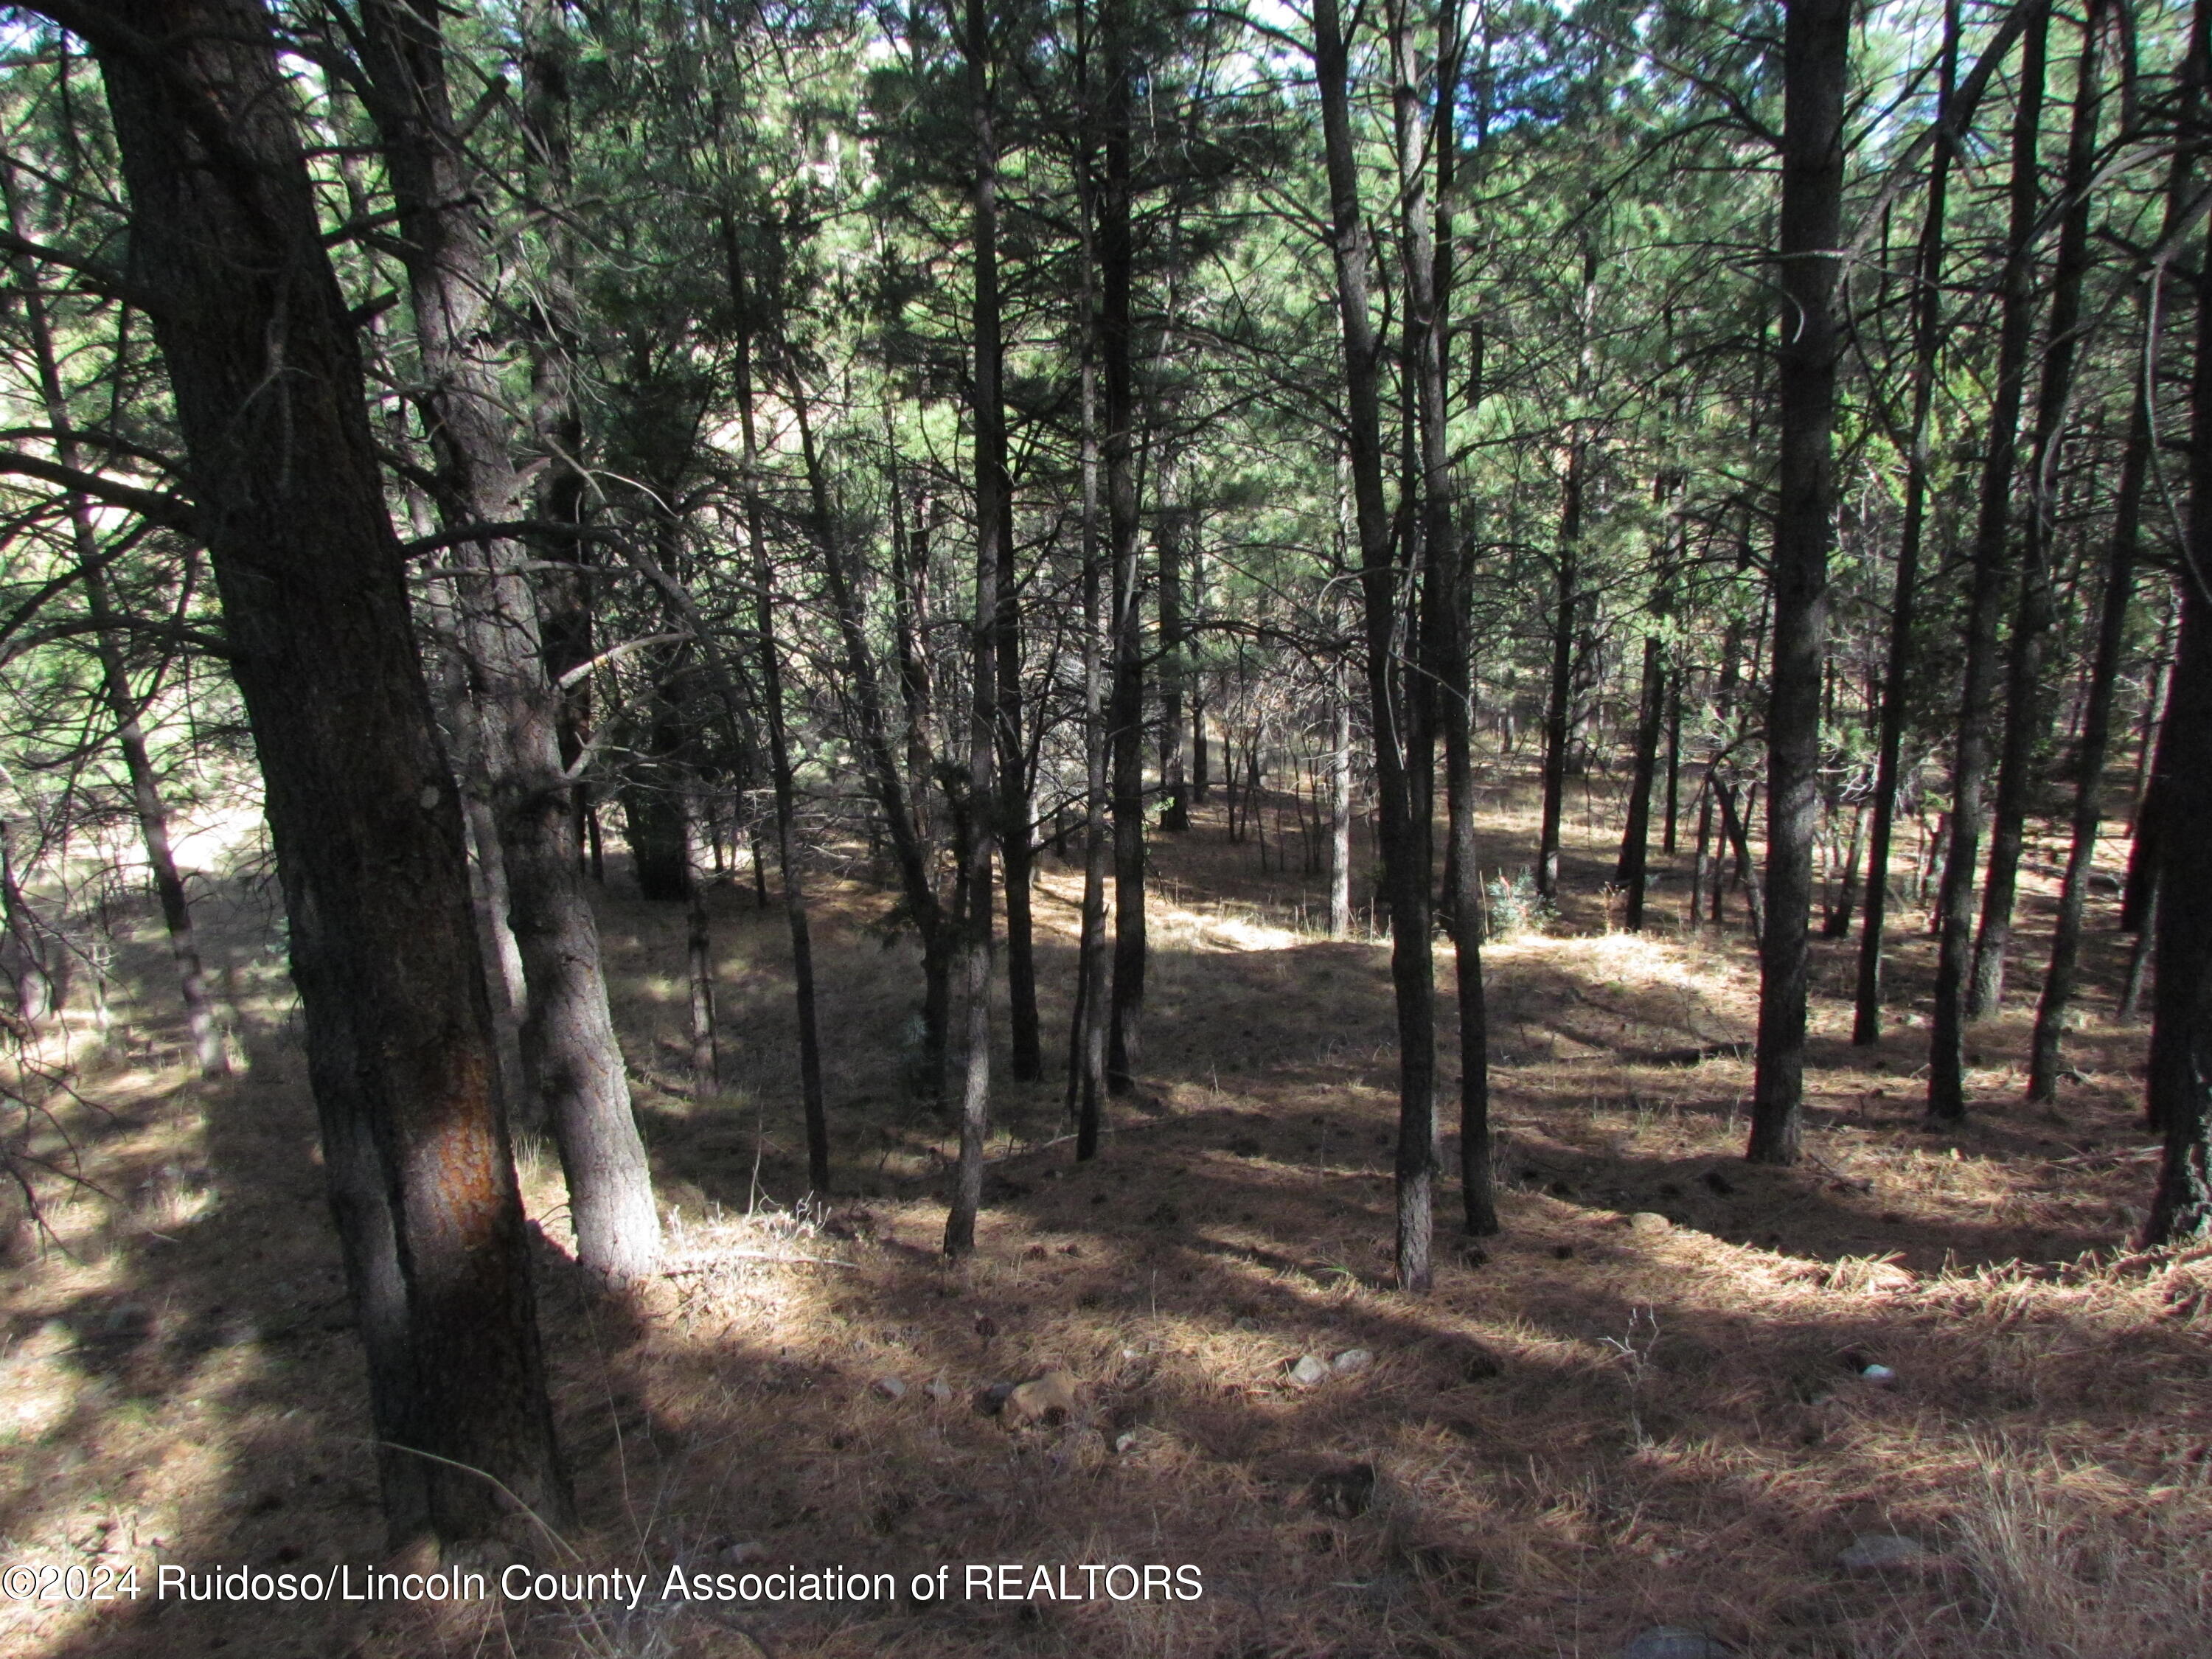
{"x": 1870, "y": 1551}
{"x": 1880, "y": 1376}
{"x": 1650, "y": 1221}
{"x": 938, "y": 1389}
{"x": 1245, "y": 1323}
{"x": 891, "y": 1388}
{"x": 739, "y": 1554}
{"x": 1047, "y": 1399}
{"x": 1351, "y": 1362}
{"x": 1673, "y": 1641}
{"x": 1126, "y": 1441}
{"x": 1308, "y": 1369}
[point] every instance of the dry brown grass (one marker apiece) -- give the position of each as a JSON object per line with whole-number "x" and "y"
{"x": 1588, "y": 1430}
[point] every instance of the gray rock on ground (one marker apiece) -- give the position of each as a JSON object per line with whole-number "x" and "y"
{"x": 1308, "y": 1369}
{"x": 1870, "y": 1551}
{"x": 1674, "y": 1642}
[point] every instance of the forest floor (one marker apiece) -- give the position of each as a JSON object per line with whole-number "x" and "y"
{"x": 1677, "y": 1391}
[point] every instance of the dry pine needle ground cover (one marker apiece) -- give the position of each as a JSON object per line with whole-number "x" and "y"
{"x": 1646, "y": 1405}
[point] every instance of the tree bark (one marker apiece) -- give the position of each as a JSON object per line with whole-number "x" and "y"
{"x": 1125, "y": 710}
{"x": 1631, "y": 874}
{"x": 1559, "y": 699}
{"x": 571, "y": 1060}
{"x": 1815, "y": 57}
{"x": 985, "y": 724}
{"x": 1403, "y": 760}
{"x": 261, "y": 354}
{"x": 2027, "y": 702}
{"x": 1171, "y": 528}
{"x": 1905, "y": 592}
{"x": 1946, "y": 1086}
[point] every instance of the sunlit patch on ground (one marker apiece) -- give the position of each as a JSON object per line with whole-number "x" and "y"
{"x": 1676, "y": 1391}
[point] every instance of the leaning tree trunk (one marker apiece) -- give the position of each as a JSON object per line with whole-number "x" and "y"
{"x": 1815, "y": 55}
{"x": 2095, "y": 748}
{"x": 1905, "y": 592}
{"x": 572, "y": 1062}
{"x": 2027, "y": 703}
{"x": 1947, "y": 1066}
{"x": 153, "y": 814}
{"x": 270, "y": 396}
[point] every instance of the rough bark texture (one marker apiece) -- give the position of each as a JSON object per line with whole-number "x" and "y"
{"x": 2179, "y": 1098}
{"x": 572, "y": 1062}
{"x": 368, "y": 830}
{"x": 1815, "y": 44}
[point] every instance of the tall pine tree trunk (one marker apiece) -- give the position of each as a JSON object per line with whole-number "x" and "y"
{"x": 2027, "y": 702}
{"x": 985, "y": 716}
{"x": 261, "y": 354}
{"x": 1125, "y": 707}
{"x": 1815, "y": 63}
{"x": 1947, "y": 1083}
{"x": 1904, "y": 586}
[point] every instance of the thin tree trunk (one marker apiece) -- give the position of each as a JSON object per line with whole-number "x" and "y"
{"x": 123, "y": 703}
{"x": 1815, "y": 54}
{"x": 1631, "y": 874}
{"x": 1171, "y": 527}
{"x": 1125, "y": 713}
{"x": 2094, "y": 749}
{"x": 1340, "y": 806}
{"x": 1947, "y": 1085}
{"x": 2027, "y": 701}
{"x": 1839, "y": 923}
{"x": 699, "y": 958}
{"x": 780, "y": 781}
{"x": 1905, "y": 594}
{"x": 1559, "y": 699}
{"x": 985, "y": 720}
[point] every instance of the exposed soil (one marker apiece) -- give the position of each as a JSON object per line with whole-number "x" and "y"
{"x": 1592, "y": 1426}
